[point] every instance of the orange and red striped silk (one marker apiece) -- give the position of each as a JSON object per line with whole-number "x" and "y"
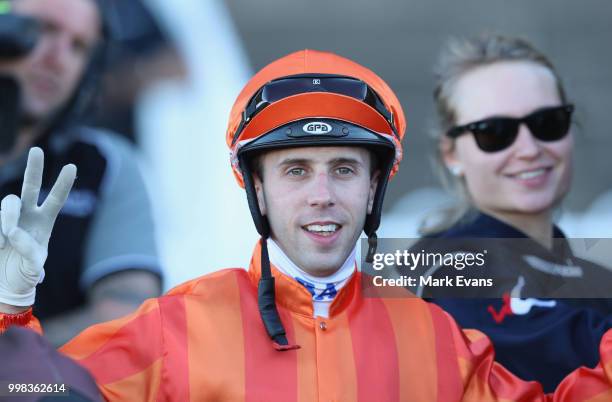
{"x": 204, "y": 341}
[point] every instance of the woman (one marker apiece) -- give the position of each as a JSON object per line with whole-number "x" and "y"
{"x": 505, "y": 143}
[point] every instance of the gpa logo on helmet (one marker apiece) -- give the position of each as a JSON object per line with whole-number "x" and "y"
{"x": 317, "y": 127}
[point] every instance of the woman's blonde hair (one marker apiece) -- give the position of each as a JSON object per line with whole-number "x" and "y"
{"x": 459, "y": 56}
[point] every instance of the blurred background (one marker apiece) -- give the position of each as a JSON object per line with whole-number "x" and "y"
{"x": 178, "y": 121}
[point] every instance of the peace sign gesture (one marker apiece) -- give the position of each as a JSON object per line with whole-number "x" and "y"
{"x": 26, "y": 228}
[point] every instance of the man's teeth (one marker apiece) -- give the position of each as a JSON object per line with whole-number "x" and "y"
{"x": 531, "y": 174}
{"x": 322, "y": 229}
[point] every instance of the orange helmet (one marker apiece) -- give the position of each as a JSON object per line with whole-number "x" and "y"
{"x": 312, "y": 103}
{"x": 313, "y": 98}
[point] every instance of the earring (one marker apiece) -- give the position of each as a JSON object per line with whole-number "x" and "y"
{"x": 456, "y": 170}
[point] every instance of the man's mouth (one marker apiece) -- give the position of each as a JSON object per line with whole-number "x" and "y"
{"x": 326, "y": 229}
{"x": 44, "y": 84}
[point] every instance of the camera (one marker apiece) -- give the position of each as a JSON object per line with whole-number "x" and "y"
{"x": 18, "y": 36}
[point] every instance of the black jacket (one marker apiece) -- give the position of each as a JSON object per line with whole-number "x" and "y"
{"x": 544, "y": 325}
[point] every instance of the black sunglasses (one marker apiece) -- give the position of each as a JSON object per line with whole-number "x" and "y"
{"x": 282, "y": 88}
{"x": 498, "y": 133}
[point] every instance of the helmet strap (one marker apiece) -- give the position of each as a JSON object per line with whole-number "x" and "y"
{"x": 261, "y": 222}
{"x": 373, "y": 219}
{"x": 267, "y": 305}
{"x": 265, "y": 289}
{"x": 372, "y": 245}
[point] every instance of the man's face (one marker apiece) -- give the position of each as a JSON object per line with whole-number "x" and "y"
{"x": 316, "y": 200}
{"x": 48, "y": 76}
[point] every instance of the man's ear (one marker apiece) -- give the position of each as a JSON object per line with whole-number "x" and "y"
{"x": 373, "y": 186}
{"x": 261, "y": 199}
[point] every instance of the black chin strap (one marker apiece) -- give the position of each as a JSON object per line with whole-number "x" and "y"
{"x": 372, "y": 245}
{"x": 267, "y": 305}
{"x": 265, "y": 289}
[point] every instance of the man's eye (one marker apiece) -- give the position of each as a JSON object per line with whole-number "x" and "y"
{"x": 344, "y": 170}
{"x": 296, "y": 172}
{"x": 80, "y": 47}
{"x": 48, "y": 28}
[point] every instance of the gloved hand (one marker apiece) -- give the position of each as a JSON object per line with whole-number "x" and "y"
{"x": 26, "y": 229}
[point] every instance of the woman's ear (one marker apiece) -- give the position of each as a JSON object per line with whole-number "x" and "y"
{"x": 448, "y": 154}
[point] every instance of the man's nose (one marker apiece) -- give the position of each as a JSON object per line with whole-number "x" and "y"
{"x": 55, "y": 48}
{"x": 322, "y": 193}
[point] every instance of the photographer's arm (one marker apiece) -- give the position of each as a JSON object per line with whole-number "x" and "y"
{"x": 111, "y": 297}
{"x": 8, "y": 309}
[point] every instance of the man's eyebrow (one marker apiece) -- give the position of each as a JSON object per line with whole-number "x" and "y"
{"x": 293, "y": 161}
{"x": 335, "y": 161}
{"x": 350, "y": 161}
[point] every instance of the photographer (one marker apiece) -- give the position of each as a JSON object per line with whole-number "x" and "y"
{"x": 102, "y": 260}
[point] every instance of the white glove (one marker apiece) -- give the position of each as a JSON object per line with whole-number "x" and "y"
{"x": 26, "y": 229}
